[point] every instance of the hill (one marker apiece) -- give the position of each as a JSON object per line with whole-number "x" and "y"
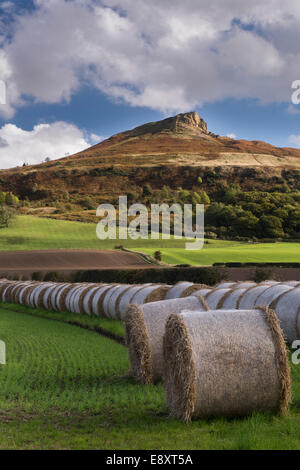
{"x": 177, "y": 150}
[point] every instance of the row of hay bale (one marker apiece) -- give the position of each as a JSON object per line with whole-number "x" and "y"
{"x": 109, "y": 300}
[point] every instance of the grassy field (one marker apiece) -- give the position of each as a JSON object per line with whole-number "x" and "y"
{"x": 67, "y": 388}
{"x": 33, "y": 233}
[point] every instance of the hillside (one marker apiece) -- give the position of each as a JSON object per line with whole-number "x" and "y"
{"x": 177, "y": 150}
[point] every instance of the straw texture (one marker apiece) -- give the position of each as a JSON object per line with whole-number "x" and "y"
{"x": 145, "y": 325}
{"x": 225, "y": 363}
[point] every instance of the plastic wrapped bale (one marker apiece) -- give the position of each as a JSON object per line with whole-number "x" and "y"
{"x": 106, "y": 299}
{"x": 98, "y": 299}
{"x": 47, "y": 296}
{"x": 88, "y": 299}
{"x": 126, "y": 298}
{"x": 203, "y": 292}
{"x": 114, "y": 300}
{"x": 61, "y": 297}
{"x": 80, "y": 296}
{"x": 292, "y": 283}
{"x": 75, "y": 298}
{"x": 145, "y": 326}
{"x": 38, "y": 294}
{"x": 5, "y": 287}
{"x": 248, "y": 298}
{"x": 225, "y": 285}
{"x": 53, "y": 296}
{"x": 183, "y": 289}
{"x": 270, "y": 294}
{"x": 150, "y": 294}
{"x": 231, "y": 299}
{"x": 9, "y": 291}
{"x": 27, "y": 295}
{"x": 214, "y": 297}
{"x": 70, "y": 296}
{"x": 225, "y": 363}
{"x": 287, "y": 308}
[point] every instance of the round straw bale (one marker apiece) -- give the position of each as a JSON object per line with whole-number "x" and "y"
{"x": 22, "y": 297}
{"x": 292, "y": 283}
{"x": 248, "y": 298}
{"x": 98, "y": 299}
{"x": 225, "y": 285}
{"x": 176, "y": 291}
{"x": 287, "y": 309}
{"x": 113, "y": 299}
{"x": 47, "y": 294}
{"x": 87, "y": 300}
{"x": 27, "y": 295}
{"x": 270, "y": 294}
{"x": 126, "y": 298}
{"x": 203, "y": 292}
{"x": 61, "y": 297}
{"x": 225, "y": 363}
{"x": 106, "y": 299}
{"x": 70, "y": 294}
{"x": 74, "y": 303}
{"x": 13, "y": 291}
{"x": 7, "y": 293}
{"x": 81, "y": 296}
{"x": 53, "y": 296}
{"x": 32, "y": 294}
{"x": 145, "y": 326}
{"x": 214, "y": 297}
{"x": 38, "y": 295}
{"x": 230, "y": 300}
{"x": 150, "y": 294}
{"x": 4, "y": 288}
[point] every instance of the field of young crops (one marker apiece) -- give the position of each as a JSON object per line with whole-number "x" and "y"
{"x": 67, "y": 387}
{"x": 33, "y": 233}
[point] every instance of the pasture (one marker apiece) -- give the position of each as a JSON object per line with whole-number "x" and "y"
{"x": 33, "y": 233}
{"x": 64, "y": 387}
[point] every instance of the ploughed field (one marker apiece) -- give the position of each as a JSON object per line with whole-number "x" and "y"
{"x": 34, "y": 233}
{"x": 64, "y": 387}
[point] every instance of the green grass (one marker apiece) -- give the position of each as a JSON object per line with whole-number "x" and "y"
{"x": 90, "y": 322}
{"x": 68, "y": 388}
{"x": 33, "y": 233}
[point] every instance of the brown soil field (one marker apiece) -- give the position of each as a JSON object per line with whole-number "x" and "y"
{"x": 66, "y": 260}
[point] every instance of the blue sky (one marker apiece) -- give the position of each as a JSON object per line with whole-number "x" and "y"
{"x": 80, "y": 70}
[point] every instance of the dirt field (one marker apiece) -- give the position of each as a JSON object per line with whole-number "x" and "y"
{"x": 66, "y": 260}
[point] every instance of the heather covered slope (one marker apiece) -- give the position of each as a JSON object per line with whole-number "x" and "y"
{"x": 176, "y": 150}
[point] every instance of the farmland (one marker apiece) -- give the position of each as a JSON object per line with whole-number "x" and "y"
{"x": 33, "y": 233}
{"x": 65, "y": 387}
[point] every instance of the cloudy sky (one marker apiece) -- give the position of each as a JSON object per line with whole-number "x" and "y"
{"x": 78, "y": 71}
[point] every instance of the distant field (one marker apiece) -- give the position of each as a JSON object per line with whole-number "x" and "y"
{"x": 33, "y": 233}
{"x": 68, "y": 388}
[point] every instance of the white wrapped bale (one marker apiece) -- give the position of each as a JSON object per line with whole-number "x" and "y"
{"x": 231, "y": 300}
{"x": 267, "y": 297}
{"x": 126, "y": 299}
{"x": 287, "y": 309}
{"x": 106, "y": 300}
{"x": 214, "y": 297}
{"x": 96, "y": 306}
{"x": 183, "y": 289}
{"x": 114, "y": 300}
{"x": 248, "y": 299}
{"x": 150, "y": 294}
{"x": 88, "y": 298}
{"x": 225, "y": 363}
{"x": 145, "y": 325}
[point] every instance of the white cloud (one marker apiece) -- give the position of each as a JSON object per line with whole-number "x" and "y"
{"x": 95, "y": 138}
{"x": 294, "y": 140}
{"x": 168, "y": 55}
{"x": 232, "y": 136}
{"x": 18, "y": 146}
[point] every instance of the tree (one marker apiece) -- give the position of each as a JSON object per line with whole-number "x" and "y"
{"x": 7, "y": 216}
{"x": 271, "y": 226}
{"x": 11, "y": 200}
{"x": 157, "y": 255}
